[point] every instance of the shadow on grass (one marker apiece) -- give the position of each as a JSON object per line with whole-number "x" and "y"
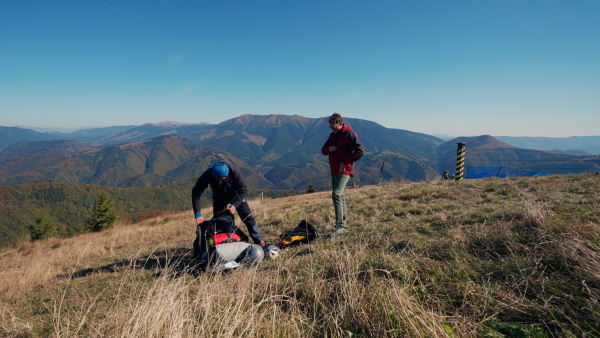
{"x": 180, "y": 262}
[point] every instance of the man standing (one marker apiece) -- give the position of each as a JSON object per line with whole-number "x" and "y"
{"x": 343, "y": 149}
{"x": 229, "y": 192}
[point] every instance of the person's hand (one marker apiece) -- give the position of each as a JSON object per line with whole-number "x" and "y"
{"x": 342, "y": 167}
{"x": 232, "y": 210}
{"x": 262, "y": 244}
{"x": 332, "y": 149}
{"x": 199, "y": 220}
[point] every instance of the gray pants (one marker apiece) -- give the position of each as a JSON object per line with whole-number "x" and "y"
{"x": 338, "y": 183}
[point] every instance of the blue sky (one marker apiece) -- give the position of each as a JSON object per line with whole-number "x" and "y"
{"x": 504, "y": 68}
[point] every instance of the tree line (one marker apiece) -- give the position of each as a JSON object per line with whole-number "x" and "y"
{"x": 56, "y": 209}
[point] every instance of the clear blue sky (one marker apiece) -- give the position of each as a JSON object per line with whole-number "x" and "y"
{"x": 499, "y": 67}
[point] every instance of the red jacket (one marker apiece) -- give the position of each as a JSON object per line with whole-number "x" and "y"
{"x": 349, "y": 150}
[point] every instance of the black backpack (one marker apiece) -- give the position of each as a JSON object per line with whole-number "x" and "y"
{"x": 303, "y": 233}
{"x": 218, "y": 230}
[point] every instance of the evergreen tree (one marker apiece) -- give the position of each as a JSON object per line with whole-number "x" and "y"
{"x": 103, "y": 214}
{"x": 311, "y": 189}
{"x": 42, "y": 229}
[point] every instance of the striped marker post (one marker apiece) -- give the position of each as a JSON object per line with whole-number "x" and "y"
{"x": 460, "y": 161}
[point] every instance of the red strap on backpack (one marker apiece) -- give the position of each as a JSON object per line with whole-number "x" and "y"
{"x": 224, "y": 237}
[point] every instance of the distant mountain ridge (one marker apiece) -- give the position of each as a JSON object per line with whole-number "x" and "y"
{"x": 259, "y": 138}
{"x": 104, "y": 136}
{"x": 590, "y": 144}
{"x": 141, "y": 164}
{"x": 31, "y": 149}
{"x": 91, "y": 135}
{"x": 487, "y": 151}
{"x": 284, "y": 150}
{"x": 12, "y": 135}
{"x": 577, "y": 145}
{"x": 265, "y": 138}
{"x": 275, "y": 151}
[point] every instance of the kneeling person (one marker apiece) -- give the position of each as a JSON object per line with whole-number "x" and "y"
{"x": 228, "y": 188}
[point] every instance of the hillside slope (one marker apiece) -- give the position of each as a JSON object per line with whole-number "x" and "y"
{"x": 142, "y": 164}
{"x": 515, "y": 257}
{"x": 145, "y": 132}
{"x": 26, "y": 150}
{"x": 68, "y": 205}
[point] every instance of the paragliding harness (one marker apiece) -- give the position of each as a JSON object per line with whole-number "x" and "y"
{"x": 303, "y": 233}
{"x": 219, "y": 230}
{"x": 218, "y": 245}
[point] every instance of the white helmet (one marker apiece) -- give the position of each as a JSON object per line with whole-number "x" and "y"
{"x": 272, "y": 251}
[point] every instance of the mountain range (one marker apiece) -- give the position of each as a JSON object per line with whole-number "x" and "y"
{"x": 273, "y": 151}
{"x": 104, "y": 136}
{"x": 59, "y": 175}
{"x": 487, "y": 151}
{"x": 576, "y": 145}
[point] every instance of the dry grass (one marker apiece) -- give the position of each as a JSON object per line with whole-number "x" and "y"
{"x": 478, "y": 258}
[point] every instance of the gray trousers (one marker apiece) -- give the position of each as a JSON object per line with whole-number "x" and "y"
{"x": 338, "y": 183}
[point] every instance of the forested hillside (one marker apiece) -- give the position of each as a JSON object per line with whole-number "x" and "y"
{"x": 142, "y": 164}
{"x": 68, "y": 205}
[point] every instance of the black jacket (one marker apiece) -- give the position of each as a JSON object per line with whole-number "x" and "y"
{"x": 233, "y": 190}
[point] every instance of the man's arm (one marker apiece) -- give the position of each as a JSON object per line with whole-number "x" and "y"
{"x": 238, "y": 184}
{"x": 325, "y": 150}
{"x": 197, "y": 191}
{"x": 357, "y": 148}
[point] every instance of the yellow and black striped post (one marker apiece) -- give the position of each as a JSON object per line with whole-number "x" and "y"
{"x": 460, "y": 161}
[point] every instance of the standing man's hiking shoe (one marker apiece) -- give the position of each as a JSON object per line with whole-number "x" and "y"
{"x": 338, "y": 232}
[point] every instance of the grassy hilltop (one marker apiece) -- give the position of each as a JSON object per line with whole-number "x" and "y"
{"x": 480, "y": 258}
